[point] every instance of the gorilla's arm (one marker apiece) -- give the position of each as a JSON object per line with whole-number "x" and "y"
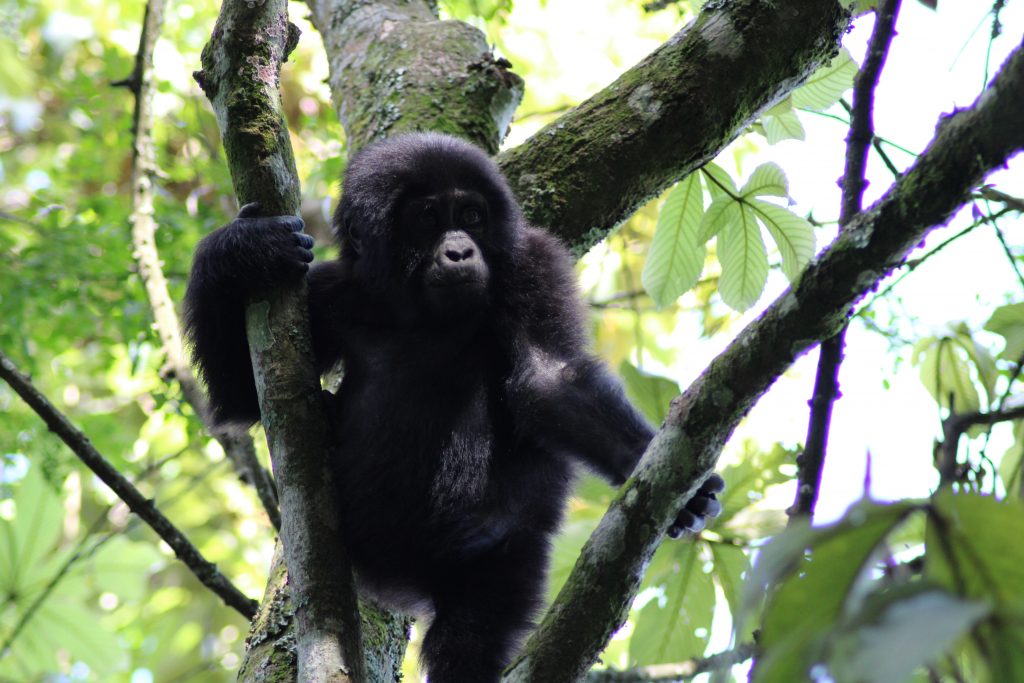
{"x": 249, "y": 254}
{"x": 564, "y": 398}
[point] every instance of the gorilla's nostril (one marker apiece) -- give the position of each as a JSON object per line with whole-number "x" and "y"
{"x": 455, "y": 255}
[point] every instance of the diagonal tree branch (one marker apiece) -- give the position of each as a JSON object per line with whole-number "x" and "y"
{"x": 205, "y": 571}
{"x": 241, "y": 73}
{"x": 597, "y": 595}
{"x": 670, "y": 114}
{"x": 238, "y": 447}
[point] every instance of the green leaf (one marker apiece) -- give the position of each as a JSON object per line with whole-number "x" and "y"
{"x": 946, "y": 375}
{"x": 827, "y": 84}
{"x": 744, "y": 260}
{"x": 792, "y": 233}
{"x": 31, "y": 536}
{"x": 731, "y": 567}
{"x": 811, "y": 592}
{"x": 650, "y": 393}
{"x": 747, "y": 480}
{"x": 124, "y": 567}
{"x": 716, "y": 217}
{"x": 784, "y": 126}
{"x": 983, "y": 362}
{"x": 676, "y": 258}
{"x": 72, "y": 628}
{"x": 973, "y": 548}
{"x": 718, "y": 181}
{"x": 767, "y": 179}
{"x": 909, "y": 632}
{"x": 1008, "y": 322}
{"x": 679, "y": 629}
{"x": 1011, "y": 467}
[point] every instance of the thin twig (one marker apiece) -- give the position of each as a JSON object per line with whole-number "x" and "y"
{"x": 860, "y": 138}
{"x": 676, "y": 673}
{"x": 238, "y": 447}
{"x": 1009, "y": 254}
{"x": 954, "y": 426}
{"x": 914, "y": 264}
{"x": 204, "y": 570}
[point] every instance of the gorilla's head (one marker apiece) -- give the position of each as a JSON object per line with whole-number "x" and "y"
{"x": 427, "y": 213}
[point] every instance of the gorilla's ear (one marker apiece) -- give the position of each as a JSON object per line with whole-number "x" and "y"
{"x": 354, "y": 236}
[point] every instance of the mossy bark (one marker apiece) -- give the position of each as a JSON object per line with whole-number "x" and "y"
{"x": 241, "y": 69}
{"x": 671, "y": 113}
{"x": 396, "y": 68}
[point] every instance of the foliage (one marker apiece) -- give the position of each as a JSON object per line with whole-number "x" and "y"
{"x": 928, "y": 587}
{"x": 735, "y": 217}
{"x": 839, "y": 606}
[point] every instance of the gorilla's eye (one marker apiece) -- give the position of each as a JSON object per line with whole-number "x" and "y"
{"x": 427, "y": 217}
{"x": 471, "y": 215}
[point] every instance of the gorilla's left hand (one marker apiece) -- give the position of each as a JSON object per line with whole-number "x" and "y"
{"x": 703, "y": 506}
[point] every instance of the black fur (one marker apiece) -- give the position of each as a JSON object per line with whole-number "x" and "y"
{"x": 467, "y": 395}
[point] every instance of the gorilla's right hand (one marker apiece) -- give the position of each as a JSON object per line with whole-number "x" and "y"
{"x": 255, "y": 251}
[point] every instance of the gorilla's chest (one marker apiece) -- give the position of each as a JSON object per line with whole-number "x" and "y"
{"x": 420, "y": 436}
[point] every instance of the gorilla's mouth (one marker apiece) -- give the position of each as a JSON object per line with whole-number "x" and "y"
{"x": 454, "y": 278}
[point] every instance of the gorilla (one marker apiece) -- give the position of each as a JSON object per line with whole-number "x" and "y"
{"x": 468, "y": 395}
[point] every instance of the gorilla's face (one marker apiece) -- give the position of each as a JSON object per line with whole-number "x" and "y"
{"x": 431, "y": 217}
{"x": 444, "y": 243}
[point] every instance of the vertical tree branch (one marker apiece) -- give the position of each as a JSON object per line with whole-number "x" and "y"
{"x": 396, "y": 68}
{"x": 238, "y": 447}
{"x": 240, "y": 76}
{"x": 204, "y": 570}
{"x": 830, "y": 358}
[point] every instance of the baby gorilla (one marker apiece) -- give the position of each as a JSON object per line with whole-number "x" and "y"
{"x": 468, "y": 391}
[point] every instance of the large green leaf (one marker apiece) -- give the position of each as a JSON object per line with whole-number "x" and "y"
{"x": 767, "y": 180}
{"x": 974, "y": 546}
{"x": 676, "y": 258}
{"x": 906, "y": 631}
{"x": 744, "y": 260}
{"x": 716, "y": 217}
{"x": 31, "y": 536}
{"x": 747, "y": 480}
{"x": 1008, "y": 322}
{"x": 827, "y": 84}
{"x": 946, "y": 375}
{"x": 793, "y": 235}
{"x": 677, "y": 628}
{"x": 811, "y": 590}
{"x": 718, "y": 181}
{"x": 973, "y": 550}
{"x": 732, "y": 565}
{"x": 782, "y": 126}
{"x": 650, "y": 393}
{"x": 1011, "y": 467}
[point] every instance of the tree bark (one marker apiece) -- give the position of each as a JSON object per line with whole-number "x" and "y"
{"x": 241, "y": 69}
{"x": 396, "y": 68}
